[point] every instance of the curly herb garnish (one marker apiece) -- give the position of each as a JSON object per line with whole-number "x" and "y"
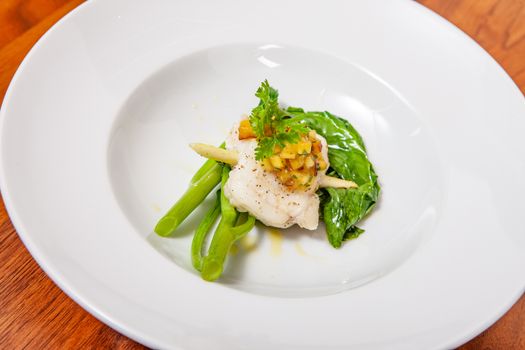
{"x": 271, "y": 124}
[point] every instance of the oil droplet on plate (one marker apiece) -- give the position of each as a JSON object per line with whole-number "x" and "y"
{"x": 299, "y": 249}
{"x": 248, "y": 243}
{"x": 234, "y": 250}
{"x": 276, "y": 242}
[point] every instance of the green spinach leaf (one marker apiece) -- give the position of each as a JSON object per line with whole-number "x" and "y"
{"x": 342, "y": 209}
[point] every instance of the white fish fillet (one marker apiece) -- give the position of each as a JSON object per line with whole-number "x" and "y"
{"x": 251, "y": 189}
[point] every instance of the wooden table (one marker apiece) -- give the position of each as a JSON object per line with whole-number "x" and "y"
{"x": 35, "y": 313}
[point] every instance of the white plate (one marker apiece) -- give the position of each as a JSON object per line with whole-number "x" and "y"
{"x": 94, "y": 130}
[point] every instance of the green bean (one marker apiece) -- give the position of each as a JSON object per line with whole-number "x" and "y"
{"x": 202, "y": 231}
{"x": 240, "y": 230}
{"x": 203, "y": 182}
{"x": 205, "y": 168}
{"x": 226, "y": 234}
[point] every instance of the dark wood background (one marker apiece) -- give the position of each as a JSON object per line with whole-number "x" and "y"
{"x": 34, "y": 313}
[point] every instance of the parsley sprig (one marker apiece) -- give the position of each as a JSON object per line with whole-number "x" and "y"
{"x": 271, "y": 124}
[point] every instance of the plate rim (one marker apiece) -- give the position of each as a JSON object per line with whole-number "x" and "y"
{"x": 137, "y": 334}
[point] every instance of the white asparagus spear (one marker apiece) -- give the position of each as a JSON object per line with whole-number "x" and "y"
{"x": 231, "y": 158}
{"x": 216, "y": 153}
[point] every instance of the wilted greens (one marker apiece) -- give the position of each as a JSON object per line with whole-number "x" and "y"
{"x": 343, "y": 208}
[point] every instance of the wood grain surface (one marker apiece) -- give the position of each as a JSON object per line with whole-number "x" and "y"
{"x": 35, "y": 314}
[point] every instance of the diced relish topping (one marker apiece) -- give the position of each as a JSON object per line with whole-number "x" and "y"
{"x": 295, "y": 164}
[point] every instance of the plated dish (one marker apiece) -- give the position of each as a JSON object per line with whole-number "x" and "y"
{"x": 106, "y": 126}
{"x": 273, "y": 168}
